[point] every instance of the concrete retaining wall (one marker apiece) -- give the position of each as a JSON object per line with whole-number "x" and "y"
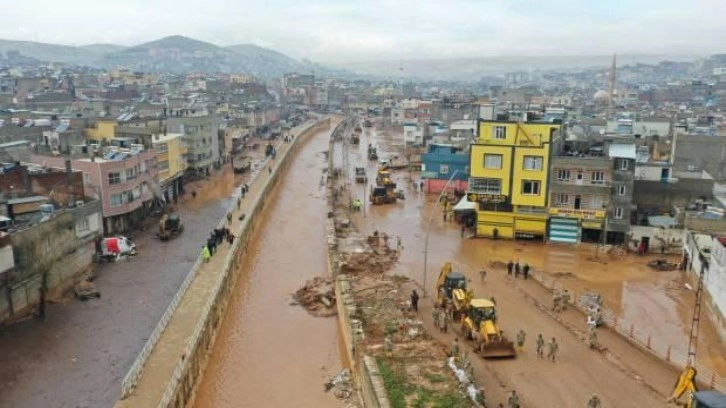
{"x": 190, "y": 368}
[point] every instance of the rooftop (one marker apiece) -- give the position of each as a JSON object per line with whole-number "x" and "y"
{"x": 162, "y": 138}
{"x": 623, "y": 151}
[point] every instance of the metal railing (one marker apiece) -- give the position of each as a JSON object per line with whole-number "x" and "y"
{"x": 131, "y": 379}
{"x": 674, "y": 355}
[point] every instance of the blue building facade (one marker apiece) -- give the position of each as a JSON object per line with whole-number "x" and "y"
{"x": 440, "y": 163}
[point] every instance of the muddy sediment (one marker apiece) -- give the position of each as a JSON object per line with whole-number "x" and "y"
{"x": 268, "y": 353}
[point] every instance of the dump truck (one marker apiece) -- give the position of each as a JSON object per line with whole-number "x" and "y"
{"x": 360, "y": 175}
{"x": 170, "y": 226}
{"x": 481, "y": 317}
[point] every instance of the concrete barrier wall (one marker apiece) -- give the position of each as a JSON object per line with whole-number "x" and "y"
{"x": 189, "y": 369}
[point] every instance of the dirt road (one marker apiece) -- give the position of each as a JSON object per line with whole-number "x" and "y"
{"x": 269, "y": 353}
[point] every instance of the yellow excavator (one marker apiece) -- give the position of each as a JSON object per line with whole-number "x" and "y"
{"x": 170, "y": 225}
{"x": 450, "y": 281}
{"x": 481, "y": 317}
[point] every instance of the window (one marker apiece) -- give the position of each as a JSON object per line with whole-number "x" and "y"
{"x": 530, "y": 187}
{"x": 444, "y": 169}
{"x": 562, "y": 199}
{"x": 114, "y": 178}
{"x": 532, "y": 163}
{"x": 500, "y": 132}
{"x": 131, "y": 173}
{"x": 563, "y": 175}
{"x": 83, "y": 225}
{"x": 623, "y": 164}
{"x": 596, "y": 202}
{"x": 598, "y": 177}
{"x": 485, "y": 186}
{"x": 162, "y": 148}
{"x": 164, "y": 165}
{"x": 492, "y": 161}
{"x": 86, "y": 178}
{"x": 619, "y": 213}
{"x": 117, "y": 199}
{"x": 621, "y": 190}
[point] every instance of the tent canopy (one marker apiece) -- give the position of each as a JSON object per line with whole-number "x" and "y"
{"x": 465, "y": 205}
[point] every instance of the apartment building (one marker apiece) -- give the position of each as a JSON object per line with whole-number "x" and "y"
{"x": 171, "y": 158}
{"x": 124, "y": 179}
{"x": 509, "y": 168}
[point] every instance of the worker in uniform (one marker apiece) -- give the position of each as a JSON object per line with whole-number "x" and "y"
{"x": 455, "y": 348}
{"x": 525, "y": 271}
{"x": 399, "y": 244}
{"x": 513, "y": 400}
{"x": 388, "y": 345}
{"x": 205, "y": 253}
{"x": 565, "y": 299}
{"x": 556, "y": 301}
{"x": 552, "y": 353}
{"x": 594, "y": 402}
{"x": 516, "y": 270}
{"x": 520, "y": 340}
{"x": 443, "y": 321}
{"x": 593, "y": 336}
{"x": 540, "y": 346}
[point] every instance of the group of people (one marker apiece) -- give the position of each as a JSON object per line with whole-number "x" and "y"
{"x": 216, "y": 237}
{"x": 516, "y": 269}
{"x": 356, "y": 204}
{"x": 560, "y": 300}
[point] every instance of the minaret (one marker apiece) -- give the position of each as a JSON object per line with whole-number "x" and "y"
{"x": 611, "y": 87}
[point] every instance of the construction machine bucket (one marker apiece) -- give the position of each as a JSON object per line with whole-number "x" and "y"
{"x": 504, "y": 349}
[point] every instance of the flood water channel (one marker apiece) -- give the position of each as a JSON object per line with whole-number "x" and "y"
{"x": 269, "y": 353}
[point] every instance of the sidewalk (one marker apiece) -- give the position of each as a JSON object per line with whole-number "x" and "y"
{"x": 171, "y": 346}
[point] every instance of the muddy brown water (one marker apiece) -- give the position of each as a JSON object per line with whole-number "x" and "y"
{"x": 269, "y": 353}
{"x": 655, "y": 302}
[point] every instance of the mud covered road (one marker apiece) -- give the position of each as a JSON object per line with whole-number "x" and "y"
{"x": 79, "y": 355}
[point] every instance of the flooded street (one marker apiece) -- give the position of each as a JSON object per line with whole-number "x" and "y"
{"x": 269, "y": 353}
{"x": 78, "y": 356}
{"x": 654, "y": 302}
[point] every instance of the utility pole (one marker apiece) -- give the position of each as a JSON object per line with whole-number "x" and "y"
{"x": 428, "y": 230}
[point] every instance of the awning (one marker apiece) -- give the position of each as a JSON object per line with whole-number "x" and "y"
{"x": 465, "y": 205}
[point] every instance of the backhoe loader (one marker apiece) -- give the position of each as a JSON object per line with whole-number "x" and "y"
{"x": 481, "y": 317}
{"x": 446, "y": 284}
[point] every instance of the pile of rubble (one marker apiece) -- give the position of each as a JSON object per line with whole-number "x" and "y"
{"x": 317, "y": 296}
{"x": 375, "y": 261}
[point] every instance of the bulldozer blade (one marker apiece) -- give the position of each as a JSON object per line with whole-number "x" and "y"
{"x": 498, "y": 351}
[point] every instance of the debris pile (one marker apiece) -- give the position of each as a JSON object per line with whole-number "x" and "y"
{"x": 369, "y": 262}
{"x": 341, "y": 385}
{"x": 317, "y": 296}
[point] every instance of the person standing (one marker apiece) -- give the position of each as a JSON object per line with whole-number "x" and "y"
{"x": 594, "y": 402}
{"x": 516, "y": 270}
{"x": 525, "y": 271}
{"x": 520, "y": 340}
{"x": 212, "y": 244}
{"x": 513, "y": 400}
{"x": 482, "y": 275}
{"x": 552, "y": 352}
{"x": 510, "y": 265}
{"x": 455, "y": 348}
{"x": 205, "y": 254}
{"x": 540, "y": 346}
{"x": 414, "y": 301}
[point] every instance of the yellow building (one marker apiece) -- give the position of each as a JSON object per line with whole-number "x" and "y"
{"x": 102, "y": 130}
{"x": 509, "y": 169}
{"x": 171, "y": 160}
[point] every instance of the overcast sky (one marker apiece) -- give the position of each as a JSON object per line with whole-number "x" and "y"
{"x": 351, "y": 30}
